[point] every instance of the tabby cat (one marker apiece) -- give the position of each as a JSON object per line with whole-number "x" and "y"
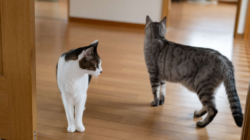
{"x": 74, "y": 70}
{"x": 201, "y": 70}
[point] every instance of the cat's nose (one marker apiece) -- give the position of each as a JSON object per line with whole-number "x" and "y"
{"x": 100, "y": 71}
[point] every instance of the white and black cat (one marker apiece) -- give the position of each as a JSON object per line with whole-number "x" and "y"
{"x": 74, "y": 70}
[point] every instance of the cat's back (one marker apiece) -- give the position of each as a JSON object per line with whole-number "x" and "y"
{"x": 176, "y": 49}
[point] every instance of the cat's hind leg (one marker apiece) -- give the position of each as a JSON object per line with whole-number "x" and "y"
{"x": 162, "y": 92}
{"x": 208, "y": 101}
{"x": 69, "y": 110}
{"x": 208, "y": 80}
{"x": 79, "y": 109}
{"x": 200, "y": 113}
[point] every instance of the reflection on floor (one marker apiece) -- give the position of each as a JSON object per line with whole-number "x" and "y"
{"x": 118, "y": 104}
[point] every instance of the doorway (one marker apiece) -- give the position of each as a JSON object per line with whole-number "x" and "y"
{"x": 118, "y": 102}
{"x": 206, "y": 23}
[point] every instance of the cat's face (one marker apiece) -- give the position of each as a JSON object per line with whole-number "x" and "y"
{"x": 90, "y": 61}
{"x": 86, "y": 58}
{"x": 155, "y": 29}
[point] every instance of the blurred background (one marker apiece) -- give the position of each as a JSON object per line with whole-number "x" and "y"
{"x": 118, "y": 103}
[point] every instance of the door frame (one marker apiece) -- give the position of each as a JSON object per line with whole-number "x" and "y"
{"x": 166, "y": 5}
{"x": 18, "y": 76}
{"x": 246, "y": 126}
{"x": 247, "y": 23}
{"x": 236, "y": 35}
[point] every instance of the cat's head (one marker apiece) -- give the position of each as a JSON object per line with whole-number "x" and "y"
{"x": 155, "y": 29}
{"x": 87, "y": 58}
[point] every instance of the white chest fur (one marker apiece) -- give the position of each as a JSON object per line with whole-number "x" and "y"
{"x": 71, "y": 79}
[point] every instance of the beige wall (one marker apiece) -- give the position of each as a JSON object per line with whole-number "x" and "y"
{"x": 242, "y": 17}
{"x": 129, "y": 11}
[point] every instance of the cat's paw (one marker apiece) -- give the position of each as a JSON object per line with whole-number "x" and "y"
{"x": 201, "y": 124}
{"x": 197, "y": 114}
{"x": 155, "y": 103}
{"x": 71, "y": 128}
{"x": 162, "y": 100}
{"x": 80, "y": 128}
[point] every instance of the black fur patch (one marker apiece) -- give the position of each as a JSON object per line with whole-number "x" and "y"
{"x": 238, "y": 118}
{"x": 74, "y": 53}
{"x": 56, "y": 69}
{"x": 162, "y": 100}
{"x": 90, "y": 76}
{"x": 84, "y": 63}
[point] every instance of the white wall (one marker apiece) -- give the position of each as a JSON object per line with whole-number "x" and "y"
{"x": 129, "y": 11}
{"x": 242, "y": 17}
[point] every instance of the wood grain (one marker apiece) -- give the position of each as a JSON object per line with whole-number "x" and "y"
{"x": 4, "y": 109}
{"x": 239, "y": 36}
{"x": 247, "y": 24}
{"x": 228, "y": 2}
{"x": 118, "y": 103}
{"x": 166, "y": 5}
{"x": 17, "y": 90}
{"x": 68, "y": 10}
{"x": 107, "y": 23}
{"x": 246, "y": 126}
{"x": 237, "y": 18}
{"x": 1, "y": 51}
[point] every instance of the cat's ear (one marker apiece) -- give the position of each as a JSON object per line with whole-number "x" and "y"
{"x": 88, "y": 53}
{"x": 164, "y": 21}
{"x": 148, "y": 20}
{"x": 95, "y": 43}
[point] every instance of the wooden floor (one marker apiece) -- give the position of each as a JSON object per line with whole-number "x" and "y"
{"x": 118, "y": 104}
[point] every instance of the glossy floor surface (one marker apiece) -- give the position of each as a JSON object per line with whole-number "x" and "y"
{"x": 118, "y": 103}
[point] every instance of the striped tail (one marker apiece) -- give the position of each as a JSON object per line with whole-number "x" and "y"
{"x": 232, "y": 94}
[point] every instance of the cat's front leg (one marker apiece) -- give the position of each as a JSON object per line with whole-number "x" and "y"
{"x": 69, "y": 110}
{"x": 162, "y": 92}
{"x": 155, "y": 84}
{"x": 79, "y": 109}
